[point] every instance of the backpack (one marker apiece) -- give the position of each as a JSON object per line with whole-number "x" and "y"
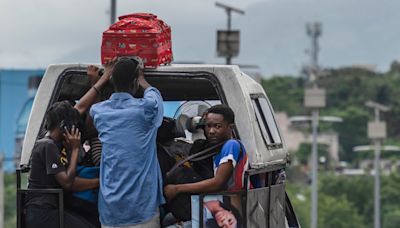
{"x": 183, "y": 172}
{"x": 89, "y": 172}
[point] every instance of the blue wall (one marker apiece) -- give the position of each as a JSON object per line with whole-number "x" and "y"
{"x": 13, "y": 96}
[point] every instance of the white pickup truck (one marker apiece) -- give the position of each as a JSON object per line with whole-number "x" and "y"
{"x": 266, "y": 206}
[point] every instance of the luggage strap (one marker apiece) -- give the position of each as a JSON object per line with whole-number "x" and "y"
{"x": 196, "y": 157}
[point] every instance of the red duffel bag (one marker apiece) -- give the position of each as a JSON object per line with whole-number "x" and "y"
{"x": 138, "y": 34}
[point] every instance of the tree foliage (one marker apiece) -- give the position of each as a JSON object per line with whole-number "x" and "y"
{"x": 347, "y": 91}
{"x": 358, "y": 190}
{"x": 10, "y": 200}
{"x": 391, "y": 219}
{"x": 304, "y": 152}
{"x": 286, "y": 93}
{"x": 333, "y": 211}
{"x": 348, "y": 201}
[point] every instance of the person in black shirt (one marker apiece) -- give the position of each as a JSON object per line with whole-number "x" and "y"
{"x": 53, "y": 165}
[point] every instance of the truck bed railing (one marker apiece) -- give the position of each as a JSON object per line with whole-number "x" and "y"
{"x": 21, "y": 194}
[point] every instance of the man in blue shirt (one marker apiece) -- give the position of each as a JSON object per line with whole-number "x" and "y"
{"x": 130, "y": 177}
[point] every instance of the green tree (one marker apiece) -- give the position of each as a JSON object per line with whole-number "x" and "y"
{"x": 358, "y": 190}
{"x": 333, "y": 211}
{"x": 337, "y": 212}
{"x": 303, "y": 154}
{"x": 347, "y": 91}
{"x": 299, "y": 196}
{"x": 390, "y": 199}
{"x": 10, "y": 200}
{"x": 391, "y": 219}
{"x": 291, "y": 100}
{"x": 352, "y": 131}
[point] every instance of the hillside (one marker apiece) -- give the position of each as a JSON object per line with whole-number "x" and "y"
{"x": 347, "y": 91}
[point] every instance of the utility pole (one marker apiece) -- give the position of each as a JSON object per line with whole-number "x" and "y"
{"x": 377, "y": 133}
{"x": 229, "y": 35}
{"x": 113, "y": 9}
{"x": 373, "y": 133}
{"x": 314, "y": 31}
{"x": 314, "y": 98}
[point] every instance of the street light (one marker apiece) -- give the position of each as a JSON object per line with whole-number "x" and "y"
{"x": 229, "y": 10}
{"x": 377, "y": 133}
{"x": 314, "y": 98}
{"x": 315, "y": 118}
{"x": 333, "y": 119}
{"x": 228, "y": 40}
{"x": 369, "y": 148}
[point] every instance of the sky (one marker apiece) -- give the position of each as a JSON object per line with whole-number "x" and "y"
{"x": 41, "y": 32}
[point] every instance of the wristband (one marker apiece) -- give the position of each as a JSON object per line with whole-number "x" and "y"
{"x": 95, "y": 89}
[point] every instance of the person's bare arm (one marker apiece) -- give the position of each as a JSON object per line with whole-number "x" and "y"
{"x": 67, "y": 177}
{"x": 82, "y": 184}
{"x": 214, "y": 184}
{"x": 92, "y": 94}
{"x": 142, "y": 81}
{"x": 93, "y": 73}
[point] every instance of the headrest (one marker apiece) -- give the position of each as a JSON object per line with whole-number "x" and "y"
{"x": 192, "y": 124}
{"x": 168, "y": 130}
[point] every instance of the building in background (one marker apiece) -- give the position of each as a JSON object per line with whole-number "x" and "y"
{"x": 23, "y": 116}
{"x": 14, "y": 97}
{"x": 294, "y": 137}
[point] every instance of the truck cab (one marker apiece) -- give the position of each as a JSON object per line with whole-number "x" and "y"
{"x": 187, "y": 91}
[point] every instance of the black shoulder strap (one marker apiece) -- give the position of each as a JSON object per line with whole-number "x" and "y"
{"x": 196, "y": 157}
{"x": 216, "y": 152}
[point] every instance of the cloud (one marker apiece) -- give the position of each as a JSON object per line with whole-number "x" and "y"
{"x": 38, "y": 33}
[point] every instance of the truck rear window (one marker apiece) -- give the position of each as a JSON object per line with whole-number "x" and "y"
{"x": 265, "y": 120}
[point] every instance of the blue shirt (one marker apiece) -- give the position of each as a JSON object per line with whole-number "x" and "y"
{"x": 130, "y": 177}
{"x": 233, "y": 151}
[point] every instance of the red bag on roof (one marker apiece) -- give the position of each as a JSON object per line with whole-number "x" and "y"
{"x": 138, "y": 34}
